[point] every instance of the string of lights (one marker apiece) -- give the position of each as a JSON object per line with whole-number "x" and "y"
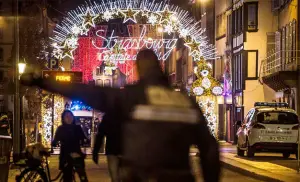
{"x": 171, "y": 18}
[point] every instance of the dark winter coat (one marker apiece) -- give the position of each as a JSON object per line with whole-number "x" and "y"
{"x": 71, "y": 137}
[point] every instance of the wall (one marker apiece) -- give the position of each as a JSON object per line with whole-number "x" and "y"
{"x": 220, "y": 44}
{"x": 255, "y": 91}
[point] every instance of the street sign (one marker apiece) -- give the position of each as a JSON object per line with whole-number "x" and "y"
{"x": 53, "y": 63}
{"x": 63, "y": 76}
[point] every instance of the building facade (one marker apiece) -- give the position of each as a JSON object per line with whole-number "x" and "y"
{"x": 279, "y": 69}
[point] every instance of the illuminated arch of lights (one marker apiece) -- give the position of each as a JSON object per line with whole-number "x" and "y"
{"x": 171, "y": 20}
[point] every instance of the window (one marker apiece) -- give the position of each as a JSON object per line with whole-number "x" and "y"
{"x": 229, "y": 29}
{"x": 251, "y": 17}
{"x": 276, "y": 117}
{"x": 238, "y": 20}
{"x": 239, "y": 79}
{"x": 221, "y": 26}
{"x": 270, "y": 43}
{"x": 252, "y": 64}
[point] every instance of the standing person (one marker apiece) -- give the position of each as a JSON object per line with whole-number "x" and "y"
{"x": 111, "y": 129}
{"x": 158, "y": 124}
{"x": 71, "y": 138}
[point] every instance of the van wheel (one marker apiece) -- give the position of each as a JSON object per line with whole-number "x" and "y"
{"x": 240, "y": 152}
{"x": 250, "y": 150}
{"x": 286, "y": 154}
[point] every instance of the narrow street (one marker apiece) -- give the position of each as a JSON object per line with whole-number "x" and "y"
{"x": 98, "y": 173}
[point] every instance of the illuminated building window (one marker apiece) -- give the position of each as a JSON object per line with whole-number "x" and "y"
{"x": 251, "y": 16}
{"x": 221, "y": 25}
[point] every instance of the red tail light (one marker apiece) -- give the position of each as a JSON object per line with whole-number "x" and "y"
{"x": 295, "y": 127}
{"x": 259, "y": 126}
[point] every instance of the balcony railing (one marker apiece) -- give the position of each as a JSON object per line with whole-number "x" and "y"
{"x": 280, "y": 61}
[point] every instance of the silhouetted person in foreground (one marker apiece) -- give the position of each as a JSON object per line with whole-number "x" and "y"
{"x": 158, "y": 124}
{"x": 110, "y": 127}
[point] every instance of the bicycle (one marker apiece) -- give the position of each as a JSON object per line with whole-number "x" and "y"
{"x": 39, "y": 171}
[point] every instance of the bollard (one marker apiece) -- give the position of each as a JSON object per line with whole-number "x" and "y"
{"x": 5, "y": 150}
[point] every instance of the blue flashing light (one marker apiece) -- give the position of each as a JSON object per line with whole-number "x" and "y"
{"x": 78, "y": 105}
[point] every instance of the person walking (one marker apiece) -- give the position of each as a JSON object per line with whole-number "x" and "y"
{"x": 71, "y": 138}
{"x": 159, "y": 125}
{"x": 111, "y": 129}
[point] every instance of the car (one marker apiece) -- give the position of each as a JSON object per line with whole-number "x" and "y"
{"x": 268, "y": 127}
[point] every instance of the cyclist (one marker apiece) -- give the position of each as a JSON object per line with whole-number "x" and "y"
{"x": 71, "y": 157}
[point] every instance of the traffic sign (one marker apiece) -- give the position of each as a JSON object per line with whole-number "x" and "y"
{"x": 64, "y": 76}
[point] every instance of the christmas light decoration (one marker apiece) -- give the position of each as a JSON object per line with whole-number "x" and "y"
{"x": 207, "y": 106}
{"x": 58, "y": 110}
{"x": 205, "y": 80}
{"x": 88, "y": 18}
{"x": 129, "y": 14}
{"x": 198, "y": 91}
{"x": 133, "y": 44}
{"x": 107, "y": 15}
{"x": 171, "y": 18}
{"x": 217, "y": 90}
{"x": 207, "y": 88}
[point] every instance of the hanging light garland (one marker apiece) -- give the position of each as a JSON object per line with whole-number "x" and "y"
{"x": 171, "y": 18}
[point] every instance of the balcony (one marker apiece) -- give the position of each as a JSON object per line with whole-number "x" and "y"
{"x": 279, "y": 70}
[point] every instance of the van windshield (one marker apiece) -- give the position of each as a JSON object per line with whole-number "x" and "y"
{"x": 276, "y": 117}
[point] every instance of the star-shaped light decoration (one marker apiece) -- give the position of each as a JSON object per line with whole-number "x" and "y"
{"x": 193, "y": 46}
{"x": 129, "y": 14}
{"x": 107, "y": 15}
{"x": 67, "y": 51}
{"x": 169, "y": 29}
{"x": 88, "y": 18}
{"x": 166, "y": 15}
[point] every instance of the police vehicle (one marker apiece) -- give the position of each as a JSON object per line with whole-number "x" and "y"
{"x": 268, "y": 127}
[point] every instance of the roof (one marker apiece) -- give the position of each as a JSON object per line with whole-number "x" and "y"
{"x": 282, "y": 109}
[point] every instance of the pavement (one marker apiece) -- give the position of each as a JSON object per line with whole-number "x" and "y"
{"x": 98, "y": 173}
{"x": 263, "y": 167}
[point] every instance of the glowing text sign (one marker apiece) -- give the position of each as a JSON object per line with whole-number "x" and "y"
{"x": 63, "y": 78}
{"x": 162, "y": 47}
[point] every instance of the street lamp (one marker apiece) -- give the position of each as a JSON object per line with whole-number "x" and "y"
{"x": 21, "y": 67}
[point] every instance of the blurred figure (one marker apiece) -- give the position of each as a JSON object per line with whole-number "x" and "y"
{"x": 110, "y": 128}
{"x": 158, "y": 124}
{"x": 71, "y": 138}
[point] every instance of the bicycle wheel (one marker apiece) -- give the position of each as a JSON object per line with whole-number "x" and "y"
{"x": 32, "y": 175}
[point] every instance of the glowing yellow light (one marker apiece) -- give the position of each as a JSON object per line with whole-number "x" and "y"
{"x": 160, "y": 29}
{"x": 63, "y": 78}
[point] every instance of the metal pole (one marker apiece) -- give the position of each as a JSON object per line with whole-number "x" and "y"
{"x": 52, "y": 127}
{"x": 16, "y": 124}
